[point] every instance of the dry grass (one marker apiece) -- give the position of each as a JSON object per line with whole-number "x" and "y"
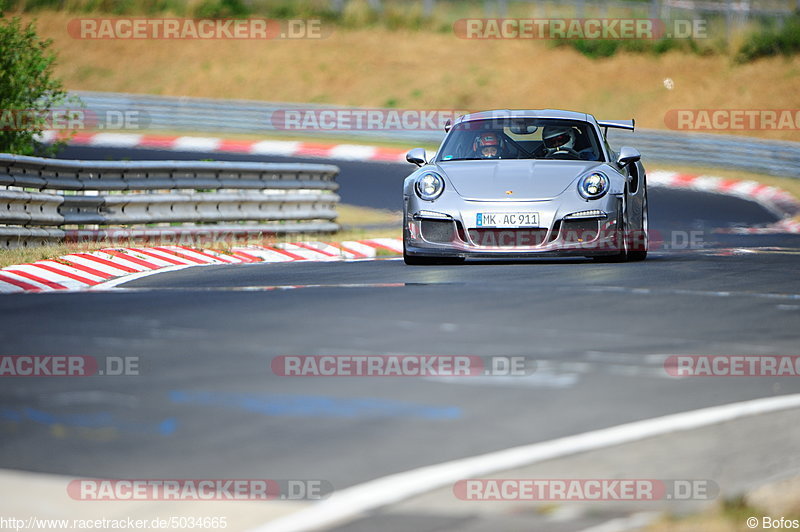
{"x": 711, "y": 522}
{"x": 10, "y": 257}
{"x": 774, "y": 500}
{"x": 728, "y": 516}
{"x": 352, "y": 216}
{"x": 426, "y": 70}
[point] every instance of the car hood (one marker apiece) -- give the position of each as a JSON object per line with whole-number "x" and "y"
{"x": 526, "y": 179}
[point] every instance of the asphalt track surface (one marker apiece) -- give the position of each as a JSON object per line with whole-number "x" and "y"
{"x": 206, "y": 403}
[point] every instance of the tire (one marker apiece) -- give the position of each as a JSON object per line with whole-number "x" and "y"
{"x": 638, "y": 248}
{"x": 622, "y": 232}
{"x": 633, "y": 249}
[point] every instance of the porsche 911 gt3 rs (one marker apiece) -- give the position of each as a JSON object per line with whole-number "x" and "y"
{"x": 521, "y": 184}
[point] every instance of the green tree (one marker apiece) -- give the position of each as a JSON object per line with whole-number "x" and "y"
{"x": 28, "y": 88}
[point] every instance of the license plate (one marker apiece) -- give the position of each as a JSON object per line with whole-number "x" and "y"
{"x": 507, "y": 220}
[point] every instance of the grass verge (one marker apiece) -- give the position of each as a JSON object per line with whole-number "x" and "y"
{"x": 774, "y": 500}
{"x": 783, "y": 39}
{"x": 10, "y": 257}
{"x": 352, "y": 216}
{"x": 463, "y": 73}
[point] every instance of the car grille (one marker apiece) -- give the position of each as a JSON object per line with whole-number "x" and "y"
{"x": 579, "y": 230}
{"x": 508, "y": 237}
{"x": 440, "y": 232}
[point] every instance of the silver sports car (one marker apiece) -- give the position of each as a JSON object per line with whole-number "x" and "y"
{"x": 521, "y": 184}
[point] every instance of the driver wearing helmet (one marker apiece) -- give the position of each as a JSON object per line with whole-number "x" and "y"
{"x": 487, "y": 145}
{"x": 561, "y": 139}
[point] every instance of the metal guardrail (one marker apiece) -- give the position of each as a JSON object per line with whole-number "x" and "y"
{"x": 252, "y": 198}
{"x": 779, "y": 158}
{"x": 214, "y": 115}
{"x": 210, "y": 115}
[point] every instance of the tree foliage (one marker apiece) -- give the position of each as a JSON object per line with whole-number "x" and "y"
{"x": 28, "y": 88}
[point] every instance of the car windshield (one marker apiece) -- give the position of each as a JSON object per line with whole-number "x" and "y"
{"x": 521, "y": 138}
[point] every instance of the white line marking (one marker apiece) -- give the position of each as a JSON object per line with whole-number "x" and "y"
{"x": 539, "y": 379}
{"x": 116, "y": 140}
{"x": 352, "y": 152}
{"x": 196, "y": 144}
{"x": 685, "y": 292}
{"x": 351, "y": 503}
{"x": 275, "y": 147}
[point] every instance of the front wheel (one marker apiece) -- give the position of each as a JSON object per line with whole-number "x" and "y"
{"x": 641, "y": 242}
{"x": 621, "y": 239}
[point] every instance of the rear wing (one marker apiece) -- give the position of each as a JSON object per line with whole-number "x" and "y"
{"x": 617, "y": 124}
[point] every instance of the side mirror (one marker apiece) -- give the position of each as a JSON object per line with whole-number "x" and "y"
{"x": 416, "y": 156}
{"x": 628, "y": 155}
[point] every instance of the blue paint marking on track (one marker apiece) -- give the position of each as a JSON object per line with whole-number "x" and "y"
{"x": 315, "y": 406}
{"x": 96, "y": 420}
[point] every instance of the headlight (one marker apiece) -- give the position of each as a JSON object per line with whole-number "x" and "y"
{"x": 593, "y": 186}
{"x": 429, "y": 186}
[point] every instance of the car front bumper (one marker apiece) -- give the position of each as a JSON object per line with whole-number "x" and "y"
{"x": 451, "y": 230}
